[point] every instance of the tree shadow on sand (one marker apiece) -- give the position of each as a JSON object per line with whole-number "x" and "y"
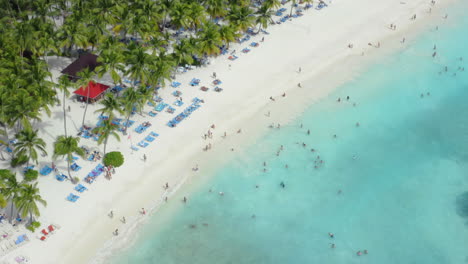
{"x": 462, "y": 206}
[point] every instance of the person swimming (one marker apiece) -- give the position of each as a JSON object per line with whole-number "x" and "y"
{"x": 282, "y": 185}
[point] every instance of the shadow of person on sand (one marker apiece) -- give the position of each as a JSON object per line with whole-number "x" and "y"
{"x": 462, "y": 206}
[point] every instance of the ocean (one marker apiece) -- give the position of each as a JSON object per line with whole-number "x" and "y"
{"x": 393, "y": 183}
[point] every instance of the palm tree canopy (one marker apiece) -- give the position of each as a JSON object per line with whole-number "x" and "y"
{"x": 28, "y": 200}
{"x": 29, "y": 143}
{"x": 67, "y": 146}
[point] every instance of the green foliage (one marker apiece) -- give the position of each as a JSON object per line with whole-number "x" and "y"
{"x": 31, "y": 175}
{"x": 19, "y": 160}
{"x": 33, "y": 226}
{"x": 114, "y": 159}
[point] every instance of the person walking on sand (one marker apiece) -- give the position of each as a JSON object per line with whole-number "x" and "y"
{"x": 144, "y": 157}
{"x": 116, "y": 232}
{"x": 300, "y": 69}
{"x": 111, "y": 214}
{"x": 124, "y": 220}
{"x": 143, "y": 211}
{"x": 184, "y": 200}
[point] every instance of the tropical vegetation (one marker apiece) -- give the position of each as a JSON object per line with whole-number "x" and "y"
{"x": 143, "y": 41}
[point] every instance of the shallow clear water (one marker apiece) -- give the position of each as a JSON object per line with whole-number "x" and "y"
{"x": 402, "y": 174}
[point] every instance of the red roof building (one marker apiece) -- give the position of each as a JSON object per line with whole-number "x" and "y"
{"x": 93, "y": 90}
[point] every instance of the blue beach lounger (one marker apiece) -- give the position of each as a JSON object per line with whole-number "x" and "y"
{"x": 46, "y": 170}
{"x": 175, "y": 84}
{"x": 80, "y": 188}
{"x": 60, "y": 177}
{"x": 154, "y": 134}
{"x": 149, "y": 138}
{"x": 143, "y": 144}
{"x": 134, "y": 148}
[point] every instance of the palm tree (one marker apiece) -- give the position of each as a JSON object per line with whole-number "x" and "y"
{"x": 137, "y": 60}
{"x": 28, "y": 199}
{"x": 161, "y": 67}
{"x": 28, "y": 144}
{"x": 67, "y": 146}
{"x": 85, "y": 77}
{"x": 111, "y": 61}
{"x": 24, "y": 109}
{"x": 272, "y": 4}
{"x": 196, "y": 14}
{"x": 109, "y": 105}
{"x": 130, "y": 101}
{"x": 182, "y": 52}
{"x": 264, "y": 14}
{"x": 23, "y": 34}
{"x": 216, "y": 8}
{"x": 228, "y": 34}
{"x": 180, "y": 15}
{"x": 293, "y": 3}
{"x": 166, "y": 7}
{"x": 106, "y": 130}
{"x": 241, "y": 17}
{"x": 209, "y": 39}
{"x": 11, "y": 189}
{"x": 72, "y": 33}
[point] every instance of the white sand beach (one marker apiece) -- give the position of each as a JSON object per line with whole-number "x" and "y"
{"x": 316, "y": 43}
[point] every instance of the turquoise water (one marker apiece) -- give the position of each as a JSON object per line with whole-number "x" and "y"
{"x": 402, "y": 174}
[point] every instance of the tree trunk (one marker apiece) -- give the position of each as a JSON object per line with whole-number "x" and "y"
{"x": 68, "y": 168}
{"x": 11, "y": 211}
{"x": 64, "y": 115}
{"x": 105, "y": 145}
{"x": 86, "y": 108}
{"x": 126, "y": 123}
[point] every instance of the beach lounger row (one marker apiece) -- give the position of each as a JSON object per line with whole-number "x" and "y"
{"x": 218, "y": 89}
{"x": 254, "y": 44}
{"x": 46, "y": 170}
{"x": 72, "y": 197}
{"x": 186, "y": 113}
{"x": 177, "y": 93}
{"x": 148, "y": 139}
{"x": 233, "y": 57}
{"x": 94, "y": 173}
{"x": 80, "y": 188}
{"x": 142, "y": 128}
{"x": 152, "y": 114}
{"x": 244, "y": 39}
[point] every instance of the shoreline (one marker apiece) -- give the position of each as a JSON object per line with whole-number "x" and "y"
{"x": 258, "y": 126}
{"x": 254, "y": 125}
